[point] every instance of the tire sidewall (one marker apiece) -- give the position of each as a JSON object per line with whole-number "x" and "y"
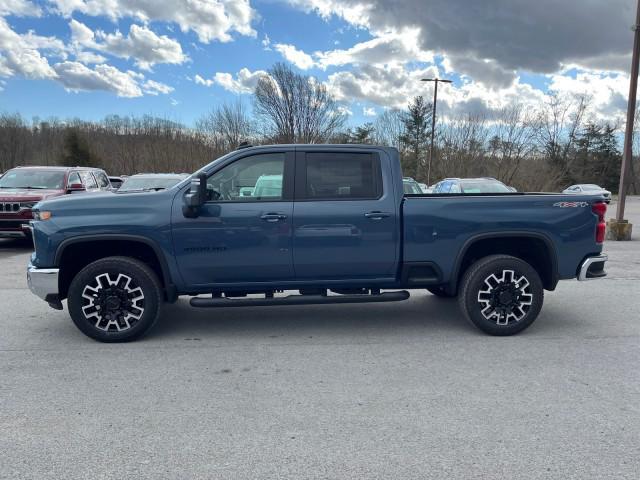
{"x": 475, "y": 282}
{"x": 141, "y": 275}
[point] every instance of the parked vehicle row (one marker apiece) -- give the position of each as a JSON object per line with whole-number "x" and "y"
{"x": 326, "y": 223}
{"x": 22, "y": 187}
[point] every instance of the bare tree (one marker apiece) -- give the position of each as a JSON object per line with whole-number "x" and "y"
{"x": 561, "y": 120}
{"x": 297, "y": 108}
{"x": 513, "y": 133}
{"x": 227, "y": 125}
{"x": 388, "y": 128}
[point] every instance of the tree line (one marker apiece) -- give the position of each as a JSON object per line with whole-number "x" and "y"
{"x": 547, "y": 148}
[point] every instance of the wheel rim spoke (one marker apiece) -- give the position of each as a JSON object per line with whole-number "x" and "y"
{"x": 505, "y": 297}
{"x": 113, "y": 303}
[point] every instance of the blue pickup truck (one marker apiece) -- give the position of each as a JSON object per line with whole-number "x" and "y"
{"x": 325, "y": 224}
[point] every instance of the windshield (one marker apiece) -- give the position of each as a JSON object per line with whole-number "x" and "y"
{"x": 148, "y": 183}
{"x": 33, "y": 179}
{"x": 484, "y": 187}
{"x": 411, "y": 187}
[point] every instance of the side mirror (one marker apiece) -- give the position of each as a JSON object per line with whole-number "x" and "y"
{"x": 75, "y": 187}
{"x": 196, "y": 196}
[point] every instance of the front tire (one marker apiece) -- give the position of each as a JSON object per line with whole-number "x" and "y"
{"x": 115, "y": 299}
{"x": 501, "y": 295}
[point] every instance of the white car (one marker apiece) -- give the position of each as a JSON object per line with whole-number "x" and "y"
{"x": 589, "y": 189}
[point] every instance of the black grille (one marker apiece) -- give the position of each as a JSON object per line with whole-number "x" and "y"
{"x": 11, "y": 207}
{"x": 11, "y": 225}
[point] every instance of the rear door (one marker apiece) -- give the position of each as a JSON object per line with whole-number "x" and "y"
{"x": 345, "y": 223}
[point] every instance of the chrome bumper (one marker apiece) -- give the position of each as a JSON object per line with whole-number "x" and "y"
{"x": 43, "y": 282}
{"x": 593, "y": 268}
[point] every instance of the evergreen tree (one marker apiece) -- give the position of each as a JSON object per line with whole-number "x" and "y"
{"x": 417, "y": 132}
{"x": 76, "y": 151}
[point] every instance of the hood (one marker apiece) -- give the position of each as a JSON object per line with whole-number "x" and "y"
{"x": 27, "y": 195}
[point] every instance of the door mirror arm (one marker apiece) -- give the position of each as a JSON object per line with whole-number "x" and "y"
{"x": 196, "y": 196}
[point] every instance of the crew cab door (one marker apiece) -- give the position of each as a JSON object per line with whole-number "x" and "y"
{"x": 345, "y": 216}
{"x": 243, "y": 232}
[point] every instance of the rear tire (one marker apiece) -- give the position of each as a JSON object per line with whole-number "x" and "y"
{"x": 115, "y": 299}
{"x": 501, "y": 295}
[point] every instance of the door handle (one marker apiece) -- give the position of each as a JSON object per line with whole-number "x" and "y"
{"x": 377, "y": 215}
{"x": 273, "y": 217}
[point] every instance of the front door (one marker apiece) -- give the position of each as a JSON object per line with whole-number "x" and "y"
{"x": 243, "y": 233}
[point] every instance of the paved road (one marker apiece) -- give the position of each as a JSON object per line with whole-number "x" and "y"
{"x": 405, "y": 390}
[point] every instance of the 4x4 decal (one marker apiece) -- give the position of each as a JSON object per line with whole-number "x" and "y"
{"x": 571, "y": 204}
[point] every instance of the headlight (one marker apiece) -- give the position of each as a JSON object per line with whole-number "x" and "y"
{"x": 41, "y": 215}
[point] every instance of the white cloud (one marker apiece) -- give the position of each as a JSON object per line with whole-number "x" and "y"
{"x": 151, "y": 87}
{"x": 394, "y": 86}
{"x": 78, "y": 77}
{"x": 266, "y": 42}
{"x": 89, "y": 58}
{"x": 607, "y": 92}
{"x": 21, "y": 8}
{"x": 389, "y": 48}
{"x": 142, "y": 45}
{"x": 300, "y": 59}
{"x": 209, "y": 19}
{"x": 19, "y": 54}
{"x": 201, "y": 81}
{"x": 503, "y": 35}
{"x": 244, "y": 82}
{"x": 369, "y": 111}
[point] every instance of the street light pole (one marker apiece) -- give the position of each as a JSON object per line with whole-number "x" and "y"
{"x": 433, "y": 119}
{"x": 631, "y": 113}
{"x": 619, "y": 228}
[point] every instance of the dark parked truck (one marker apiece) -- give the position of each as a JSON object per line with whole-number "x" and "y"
{"x": 325, "y": 224}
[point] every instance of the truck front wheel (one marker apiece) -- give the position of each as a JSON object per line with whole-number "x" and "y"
{"x": 115, "y": 299}
{"x": 501, "y": 294}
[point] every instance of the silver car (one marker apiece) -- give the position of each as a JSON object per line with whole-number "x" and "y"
{"x": 589, "y": 189}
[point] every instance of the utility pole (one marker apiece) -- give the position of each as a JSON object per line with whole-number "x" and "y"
{"x": 621, "y": 229}
{"x": 433, "y": 120}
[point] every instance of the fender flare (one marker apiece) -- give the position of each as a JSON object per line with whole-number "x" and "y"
{"x": 170, "y": 288}
{"x": 453, "y": 281}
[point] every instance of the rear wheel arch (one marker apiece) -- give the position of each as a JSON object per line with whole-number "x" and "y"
{"x": 76, "y": 253}
{"x": 536, "y": 249}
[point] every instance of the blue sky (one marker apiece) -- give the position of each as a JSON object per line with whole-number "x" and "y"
{"x": 65, "y": 58}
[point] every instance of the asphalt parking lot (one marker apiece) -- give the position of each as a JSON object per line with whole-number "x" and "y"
{"x": 401, "y": 390}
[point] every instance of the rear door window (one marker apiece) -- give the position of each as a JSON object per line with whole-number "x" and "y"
{"x": 102, "y": 179}
{"x": 342, "y": 176}
{"x": 88, "y": 180}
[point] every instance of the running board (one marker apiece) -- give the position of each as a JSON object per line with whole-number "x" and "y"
{"x": 299, "y": 300}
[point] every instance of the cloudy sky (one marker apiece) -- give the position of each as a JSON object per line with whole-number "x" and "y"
{"x": 178, "y": 58}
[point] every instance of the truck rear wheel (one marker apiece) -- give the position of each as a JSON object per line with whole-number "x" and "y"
{"x": 115, "y": 299}
{"x": 501, "y": 294}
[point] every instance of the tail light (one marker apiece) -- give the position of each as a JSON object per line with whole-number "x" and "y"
{"x": 600, "y": 209}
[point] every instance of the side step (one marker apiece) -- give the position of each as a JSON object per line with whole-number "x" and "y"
{"x": 299, "y": 300}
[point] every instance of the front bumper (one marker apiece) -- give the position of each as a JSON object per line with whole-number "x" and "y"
{"x": 592, "y": 268}
{"x": 43, "y": 282}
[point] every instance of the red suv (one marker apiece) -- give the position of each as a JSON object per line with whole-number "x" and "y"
{"x": 22, "y": 187}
